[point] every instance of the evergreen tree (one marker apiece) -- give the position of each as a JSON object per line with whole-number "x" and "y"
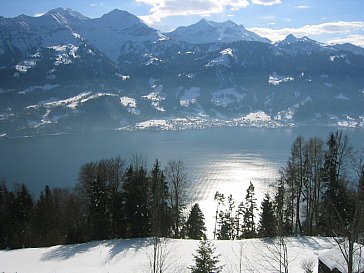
{"x": 99, "y": 191}
{"x": 336, "y": 205}
{"x": 238, "y": 220}
{"x": 45, "y": 218}
{"x": 136, "y": 200}
{"x": 6, "y": 216}
{"x": 220, "y": 199}
{"x": 195, "y": 225}
{"x": 282, "y": 210}
{"x": 160, "y": 214}
{"x": 98, "y": 207}
{"x": 205, "y": 260}
{"x": 23, "y": 207}
{"x": 160, "y": 211}
{"x": 227, "y": 221}
{"x": 74, "y": 226}
{"x": 249, "y": 213}
{"x": 114, "y": 177}
{"x": 267, "y": 221}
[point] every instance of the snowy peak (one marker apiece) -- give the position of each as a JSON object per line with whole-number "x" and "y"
{"x": 291, "y": 39}
{"x": 64, "y": 26}
{"x": 120, "y": 17}
{"x": 223, "y": 26}
{"x": 110, "y": 32}
{"x": 205, "y": 31}
{"x": 125, "y": 23}
{"x": 25, "y": 34}
{"x": 303, "y": 45}
{"x": 64, "y": 16}
{"x": 228, "y": 23}
{"x": 66, "y": 12}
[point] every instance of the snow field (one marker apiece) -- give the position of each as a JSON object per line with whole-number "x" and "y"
{"x": 132, "y": 256}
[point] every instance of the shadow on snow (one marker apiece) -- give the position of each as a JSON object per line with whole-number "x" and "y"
{"x": 114, "y": 248}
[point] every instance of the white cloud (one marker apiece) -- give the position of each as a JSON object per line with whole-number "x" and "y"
{"x": 266, "y": 2}
{"x": 268, "y": 17}
{"x": 236, "y": 5}
{"x": 356, "y": 39}
{"x": 96, "y": 5}
{"x": 165, "y": 8}
{"x": 38, "y": 14}
{"x": 302, "y": 7}
{"x": 340, "y": 27}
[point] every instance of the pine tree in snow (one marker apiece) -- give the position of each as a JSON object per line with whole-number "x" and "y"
{"x": 205, "y": 260}
{"x": 195, "y": 225}
{"x": 249, "y": 214}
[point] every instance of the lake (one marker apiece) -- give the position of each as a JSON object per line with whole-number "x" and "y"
{"x": 223, "y": 159}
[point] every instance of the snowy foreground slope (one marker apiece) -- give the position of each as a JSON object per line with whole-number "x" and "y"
{"x": 132, "y": 256}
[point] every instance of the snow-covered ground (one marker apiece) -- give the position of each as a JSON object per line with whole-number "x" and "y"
{"x": 276, "y": 79}
{"x": 189, "y": 96}
{"x": 257, "y": 119}
{"x": 156, "y": 98}
{"x": 130, "y": 104}
{"x": 133, "y": 256}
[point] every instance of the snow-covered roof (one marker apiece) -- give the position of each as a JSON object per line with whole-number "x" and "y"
{"x": 335, "y": 258}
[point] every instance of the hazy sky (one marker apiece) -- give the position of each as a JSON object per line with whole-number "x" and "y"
{"x": 323, "y": 20}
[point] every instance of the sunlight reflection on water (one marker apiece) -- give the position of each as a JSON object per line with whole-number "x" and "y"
{"x": 230, "y": 174}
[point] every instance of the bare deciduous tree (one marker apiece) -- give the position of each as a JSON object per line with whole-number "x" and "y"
{"x": 177, "y": 182}
{"x": 161, "y": 257}
{"x": 308, "y": 265}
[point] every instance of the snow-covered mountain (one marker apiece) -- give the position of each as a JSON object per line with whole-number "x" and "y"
{"x": 65, "y": 26}
{"x": 25, "y": 34}
{"x": 63, "y": 72}
{"x": 300, "y": 45}
{"x": 206, "y": 31}
{"x": 114, "y": 29}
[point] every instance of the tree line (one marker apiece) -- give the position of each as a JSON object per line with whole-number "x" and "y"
{"x": 110, "y": 200}
{"x": 320, "y": 191}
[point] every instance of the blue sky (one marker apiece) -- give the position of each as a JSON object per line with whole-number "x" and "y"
{"x": 322, "y": 20}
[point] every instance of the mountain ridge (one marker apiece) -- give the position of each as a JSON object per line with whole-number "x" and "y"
{"x": 227, "y": 31}
{"x": 136, "y": 77}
